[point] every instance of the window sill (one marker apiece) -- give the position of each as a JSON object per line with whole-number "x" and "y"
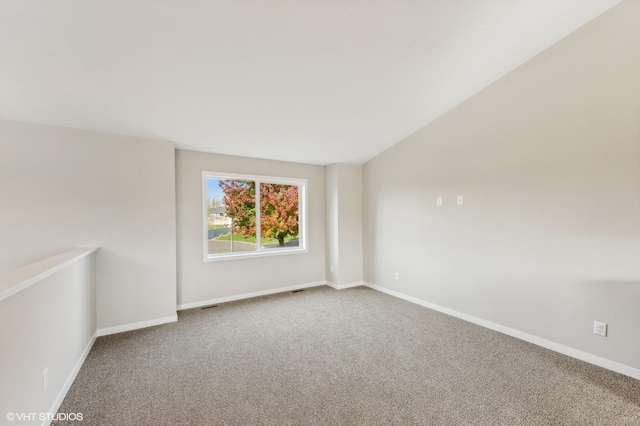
{"x": 251, "y": 255}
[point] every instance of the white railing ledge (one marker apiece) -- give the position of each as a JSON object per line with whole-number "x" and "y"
{"x": 21, "y": 279}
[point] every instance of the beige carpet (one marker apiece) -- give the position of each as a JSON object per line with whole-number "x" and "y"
{"x": 349, "y": 357}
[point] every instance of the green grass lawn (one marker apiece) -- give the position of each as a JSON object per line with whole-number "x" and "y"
{"x": 252, "y": 240}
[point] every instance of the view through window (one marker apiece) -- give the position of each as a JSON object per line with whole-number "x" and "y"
{"x": 252, "y": 215}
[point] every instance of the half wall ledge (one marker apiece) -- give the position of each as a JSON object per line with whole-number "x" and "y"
{"x": 23, "y": 278}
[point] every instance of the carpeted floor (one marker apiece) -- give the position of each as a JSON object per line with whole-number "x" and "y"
{"x": 328, "y": 357}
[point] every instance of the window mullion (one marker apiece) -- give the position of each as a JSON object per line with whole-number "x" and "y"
{"x": 258, "y": 221}
{"x": 301, "y": 233}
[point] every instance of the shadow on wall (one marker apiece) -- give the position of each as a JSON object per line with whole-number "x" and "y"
{"x": 616, "y": 303}
{"x": 615, "y": 299}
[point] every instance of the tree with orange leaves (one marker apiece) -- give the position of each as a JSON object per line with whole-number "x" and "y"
{"x": 278, "y": 208}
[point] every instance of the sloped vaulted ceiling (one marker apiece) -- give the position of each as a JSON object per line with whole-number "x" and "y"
{"x": 298, "y": 80}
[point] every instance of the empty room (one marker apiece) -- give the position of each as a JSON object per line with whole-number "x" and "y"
{"x": 303, "y": 212}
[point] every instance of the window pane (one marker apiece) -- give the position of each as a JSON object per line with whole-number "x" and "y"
{"x": 231, "y": 209}
{"x": 279, "y": 221}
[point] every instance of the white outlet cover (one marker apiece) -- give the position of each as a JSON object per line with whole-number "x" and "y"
{"x": 600, "y": 328}
{"x": 438, "y": 201}
{"x": 460, "y": 200}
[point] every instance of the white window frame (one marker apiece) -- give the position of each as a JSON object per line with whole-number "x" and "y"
{"x": 303, "y": 225}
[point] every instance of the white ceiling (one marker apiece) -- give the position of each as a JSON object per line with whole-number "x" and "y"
{"x": 318, "y": 82}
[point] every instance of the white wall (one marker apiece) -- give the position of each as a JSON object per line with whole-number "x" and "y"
{"x": 350, "y": 223}
{"x": 331, "y": 223}
{"x": 63, "y": 188}
{"x": 344, "y": 223}
{"x": 548, "y": 160}
{"x": 200, "y": 282}
{"x": 32, "y": 340}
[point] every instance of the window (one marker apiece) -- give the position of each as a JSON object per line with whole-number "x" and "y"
{"x": 249, "y": 216}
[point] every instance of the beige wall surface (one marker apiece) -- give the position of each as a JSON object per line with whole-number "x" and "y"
{"x": 344, "y": 223}
{"x": 32, "y": 342}
{"x": 548, "y": 161}
{"x": 63, "y": 188}
{"x": 332, "y": 240}
{"x": 200, "y": 281}
{"x": 350, "y": 225}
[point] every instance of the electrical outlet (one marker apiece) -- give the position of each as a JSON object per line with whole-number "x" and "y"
{"x": 460, "y": 200}
{"x": 438, "y": 201}
{"x": 397, "y": 276}
{"x": 45, "y": 378}
{"x": 600, "y": 328}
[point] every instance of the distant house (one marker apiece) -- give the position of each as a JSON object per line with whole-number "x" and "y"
{"x": 219, "y": 217}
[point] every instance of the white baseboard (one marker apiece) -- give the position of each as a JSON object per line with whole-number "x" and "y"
{"x": 557, "y": 347}
{"x": 343, "y": 286}
{"x": 72, "y": 376}
{"x": 201, "y": 303}
{"x": 136, "y": 325}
